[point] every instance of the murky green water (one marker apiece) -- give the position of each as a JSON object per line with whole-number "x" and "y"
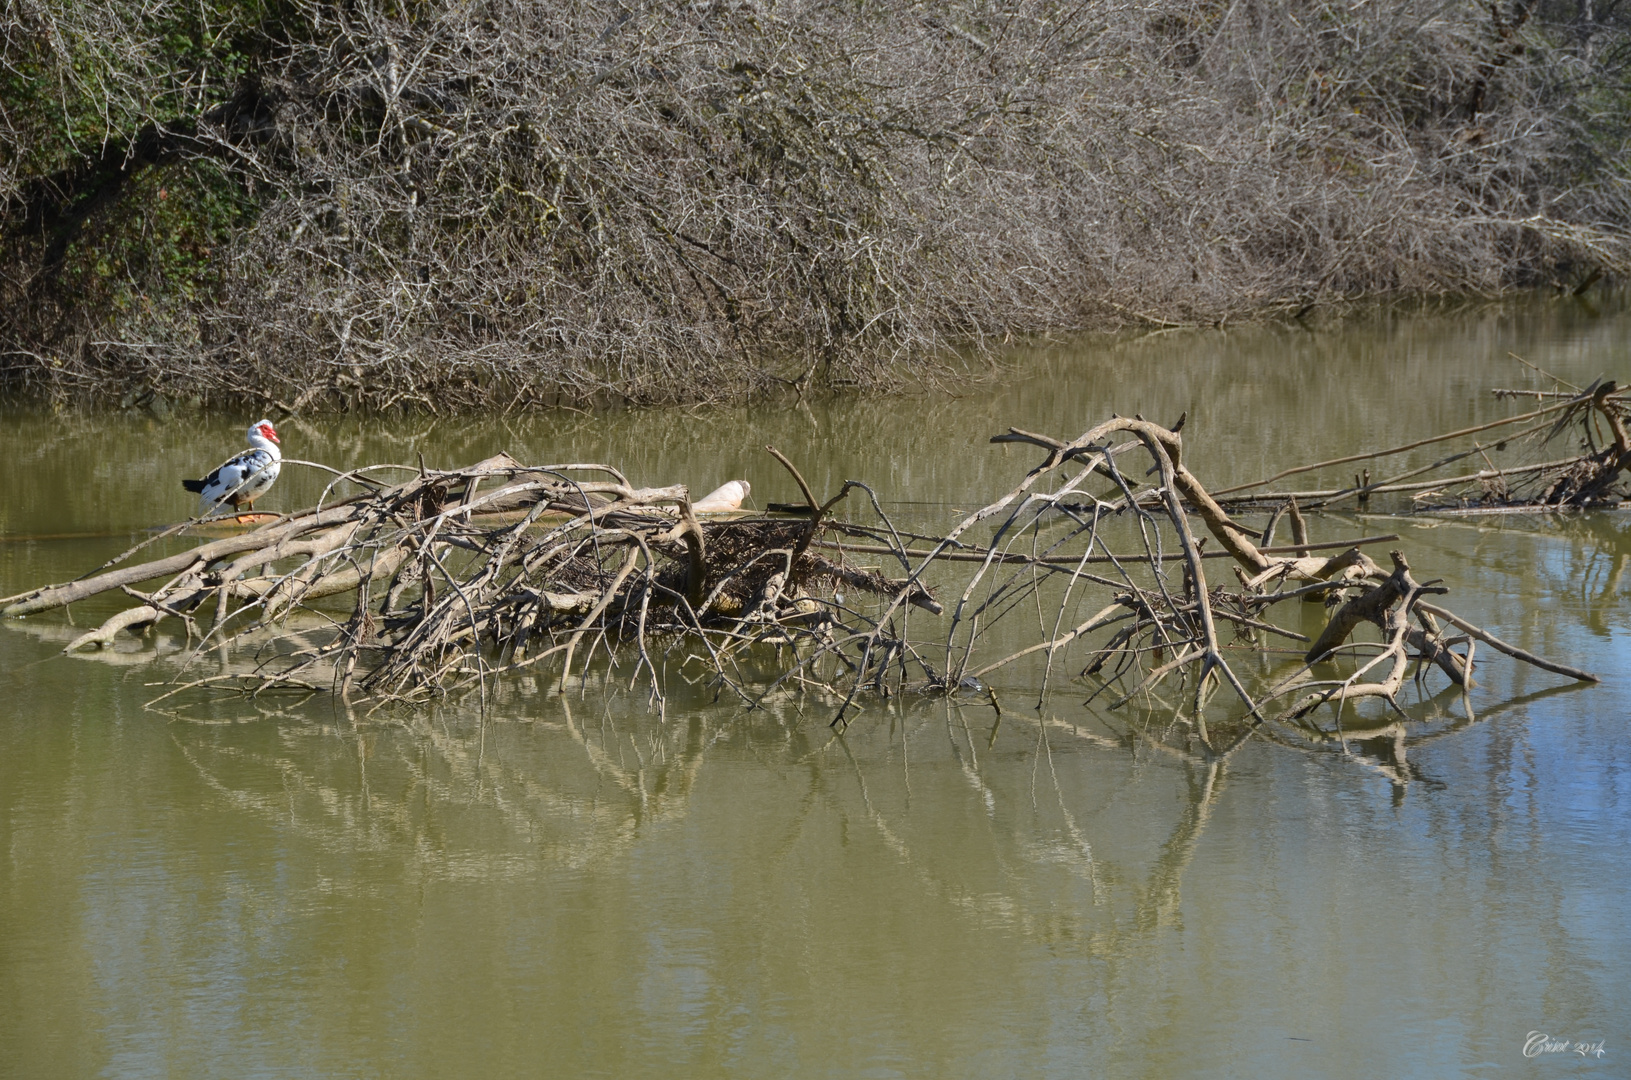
{"x": 573, "y": 889}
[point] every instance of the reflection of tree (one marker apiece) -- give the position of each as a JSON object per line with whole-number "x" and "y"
{"x": 473, "y": 798}
{"x": 1385, "y": 748}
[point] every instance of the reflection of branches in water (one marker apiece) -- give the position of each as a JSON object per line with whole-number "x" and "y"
{"x": 1384, "y": 748}
{"x": 1379, "y": 748}
{"x": 1084, "y": 864}
{"x": 1008, "y": 907}
{"x": 1155, "y": 902}
{"x": 1584, "y": 552}
{"x": 1159, "y": 901}
{"x": 382, "y": 787}
{"x": 583, "y": 787}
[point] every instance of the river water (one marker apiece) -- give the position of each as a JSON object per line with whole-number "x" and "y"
{"x": 569, "y": 887}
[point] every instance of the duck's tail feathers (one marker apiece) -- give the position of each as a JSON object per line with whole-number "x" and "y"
{"x": 194, "y": 486}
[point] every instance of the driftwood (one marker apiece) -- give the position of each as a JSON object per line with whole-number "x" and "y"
{"x": 528, "y": 563}
{"x": 456, "y": 578}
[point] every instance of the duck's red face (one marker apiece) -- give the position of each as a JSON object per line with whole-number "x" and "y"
{"x": 267, "y": 433}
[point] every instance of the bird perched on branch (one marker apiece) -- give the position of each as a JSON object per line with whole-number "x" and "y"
{"x": 246, "y": 477}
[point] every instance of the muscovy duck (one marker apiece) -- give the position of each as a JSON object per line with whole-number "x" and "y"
{"x": 246, "y": 477}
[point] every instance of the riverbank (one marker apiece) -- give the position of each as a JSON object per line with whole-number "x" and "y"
{"x": 493, "y": 206}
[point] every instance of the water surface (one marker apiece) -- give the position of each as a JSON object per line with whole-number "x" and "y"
{"x": 570, "y": 888}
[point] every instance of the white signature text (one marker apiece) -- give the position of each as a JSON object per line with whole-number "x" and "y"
{"x": 1539, "y": 1043}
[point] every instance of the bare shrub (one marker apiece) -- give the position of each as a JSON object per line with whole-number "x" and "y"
{"x": 515, "y": 204}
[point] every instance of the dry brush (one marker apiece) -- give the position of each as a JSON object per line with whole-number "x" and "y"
{"x": 442, "y": 205}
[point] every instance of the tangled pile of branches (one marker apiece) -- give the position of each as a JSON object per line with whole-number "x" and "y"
{"x": 453, "y": 583}
{"x": 458, "y": 578}
{"x": 446, "y": 204}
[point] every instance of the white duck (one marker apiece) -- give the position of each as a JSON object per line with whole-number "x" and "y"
{"x": 246, "y": 477}
{"x": 725, "y": 497}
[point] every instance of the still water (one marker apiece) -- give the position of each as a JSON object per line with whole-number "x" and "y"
{"x": 570, "y": 888}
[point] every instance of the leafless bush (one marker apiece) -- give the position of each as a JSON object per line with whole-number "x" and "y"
{"x": 508, "y": 203}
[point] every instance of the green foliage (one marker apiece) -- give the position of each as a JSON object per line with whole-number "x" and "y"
{"x": 75, "y": 75}
{"x": 156, "y": 248}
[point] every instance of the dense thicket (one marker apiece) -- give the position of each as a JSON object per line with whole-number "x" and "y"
{"x": 453, "y": 202}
